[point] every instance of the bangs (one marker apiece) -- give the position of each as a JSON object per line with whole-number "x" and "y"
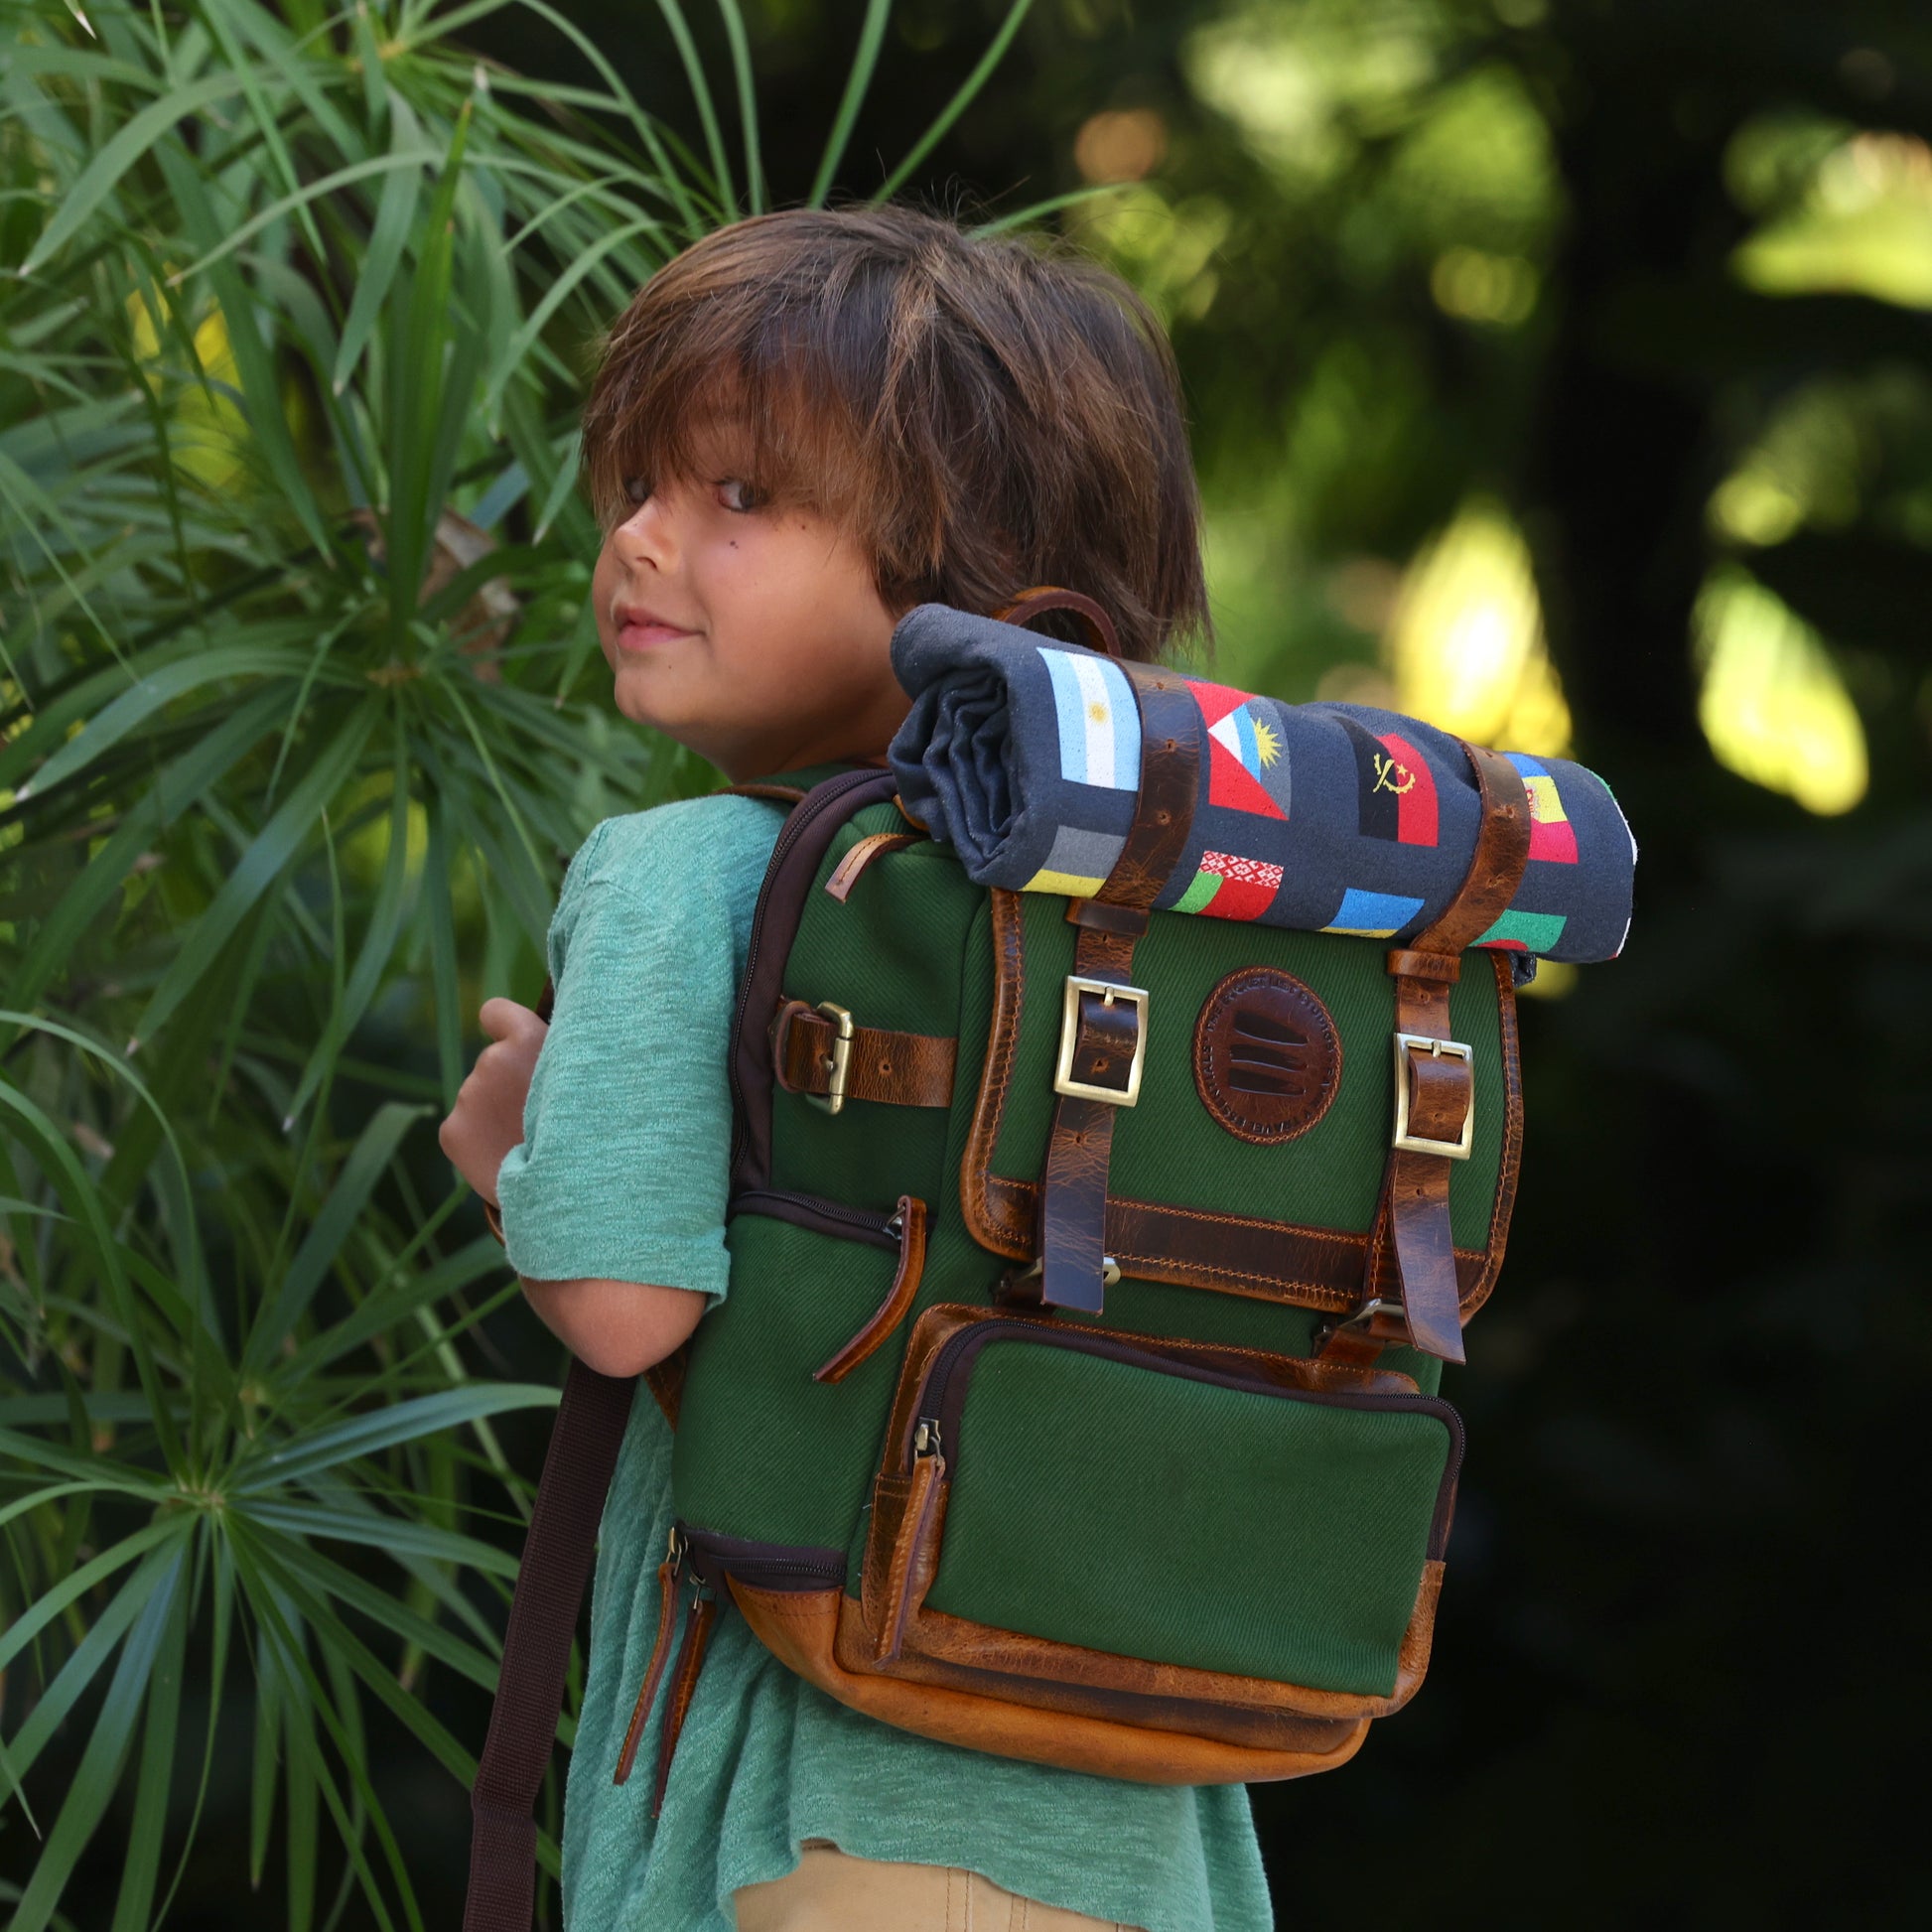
{"x": 697, "y": 384}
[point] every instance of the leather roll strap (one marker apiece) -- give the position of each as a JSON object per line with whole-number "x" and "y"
{"x": 1079, "y": 1148}
{"x": 899, "y": 1069}
{"x": 1411, "y": 1261}
{"x": 550, "y": 1581}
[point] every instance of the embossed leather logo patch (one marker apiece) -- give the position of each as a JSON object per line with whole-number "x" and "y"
{"x": 1267, "y": 1058}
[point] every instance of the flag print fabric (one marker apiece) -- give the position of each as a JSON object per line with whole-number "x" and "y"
{"x": 1023, "y": 754}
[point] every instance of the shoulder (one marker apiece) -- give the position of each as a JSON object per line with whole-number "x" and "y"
{"x": 718, "y": 839}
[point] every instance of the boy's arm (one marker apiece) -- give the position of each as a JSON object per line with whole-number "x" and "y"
{"x": 619, "y": 1328}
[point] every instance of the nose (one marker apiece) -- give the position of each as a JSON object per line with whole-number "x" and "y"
{"x": 647, "y": 535}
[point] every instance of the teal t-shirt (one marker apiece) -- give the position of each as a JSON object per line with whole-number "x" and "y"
{"x": 622, "y": 1174}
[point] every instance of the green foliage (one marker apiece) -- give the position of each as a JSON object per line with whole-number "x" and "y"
{"x": 296, "y": 727}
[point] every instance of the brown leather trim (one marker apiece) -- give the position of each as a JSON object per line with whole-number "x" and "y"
{"x": 665, "y": 1381}
{"x": 801, "y": 1630}
{"x": 892, "y": 1068}
{"x": 660, "y": 1652}
{"x": 1410, "y": 1265}
{"x": 936, "y": 1648}
{"x": 911, "y": 1218}
{"x": 1269, "y": 1261}
{"x": 1128, "y": 920}
{"x": 874, "y": 845}
{"x": 684, "y": 1687}
{"x": 1172, "y": 748}
{"x": 994, "y": 1218}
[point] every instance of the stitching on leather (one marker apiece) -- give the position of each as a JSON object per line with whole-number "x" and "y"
{"x": 989, "y": 1226}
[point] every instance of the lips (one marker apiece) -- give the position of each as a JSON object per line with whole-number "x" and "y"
{"x": 639, "y": 630}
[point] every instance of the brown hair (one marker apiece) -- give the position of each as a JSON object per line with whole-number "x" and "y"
{"x": 983, "y": 412}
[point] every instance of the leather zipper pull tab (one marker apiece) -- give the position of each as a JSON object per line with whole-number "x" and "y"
{"x": 667, "y": 1574}
{"x": 904, "y": 1587}
{"x": 684, "y": 1684}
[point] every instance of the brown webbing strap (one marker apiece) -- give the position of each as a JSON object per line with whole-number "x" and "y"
{"x": 556, "y": 1565}
{"x": 1408, "y": 1285}
{"x": 1079, "y": 1148}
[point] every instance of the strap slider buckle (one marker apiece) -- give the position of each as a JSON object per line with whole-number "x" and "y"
{"x": 1437, "y": 1049}
{"x": 838, "y": 1062}
{"x": 1110, "y": 993}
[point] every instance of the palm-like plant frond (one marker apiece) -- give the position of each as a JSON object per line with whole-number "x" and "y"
{"x": 298, "y": 720}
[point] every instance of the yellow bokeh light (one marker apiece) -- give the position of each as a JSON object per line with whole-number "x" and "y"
{"x": 1464, "y": 644}
{"x": 1865, "y": 229}
{"x": 1773, "y": 705}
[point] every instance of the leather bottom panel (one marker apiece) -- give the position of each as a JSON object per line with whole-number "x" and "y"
{"x": 803, "y": 1630}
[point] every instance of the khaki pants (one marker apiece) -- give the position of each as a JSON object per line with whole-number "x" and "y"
{"x": 831, "y": 1892}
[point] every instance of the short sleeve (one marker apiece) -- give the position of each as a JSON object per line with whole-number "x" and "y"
{"x": 624, "y": 1168}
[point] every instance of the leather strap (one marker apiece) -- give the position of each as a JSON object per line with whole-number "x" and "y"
{"x": 1042, "y": 598}
{"x": 661, "y": 1651}
{"x": 911, "y": 1218}
{"x": 1410, "y": 1291}
{"x": 684, "y": 1685}
{"x": 899, "y": 1069}
{"x": 874, "y": 845}
{"x": 556, "y": 1565}
{"x": 1080, "y": 1147}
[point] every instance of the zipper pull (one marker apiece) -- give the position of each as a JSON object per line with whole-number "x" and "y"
{"x": 926, "y": 1439}
{"x": 661, "y": 1651}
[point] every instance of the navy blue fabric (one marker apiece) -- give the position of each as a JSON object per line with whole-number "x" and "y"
{"x": 1326, "y": 817}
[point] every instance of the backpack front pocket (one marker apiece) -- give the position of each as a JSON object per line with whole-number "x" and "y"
{"x": 1162, "y": 1520}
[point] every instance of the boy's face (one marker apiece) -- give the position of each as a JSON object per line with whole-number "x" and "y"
{"x": 751, "y": 632}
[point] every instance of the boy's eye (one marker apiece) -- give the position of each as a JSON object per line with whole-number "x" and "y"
{"x": 738, "y": 495}
{"x": 635, "y": 489}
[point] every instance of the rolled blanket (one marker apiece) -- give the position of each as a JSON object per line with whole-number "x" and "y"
{"x": 1024, "y": 755}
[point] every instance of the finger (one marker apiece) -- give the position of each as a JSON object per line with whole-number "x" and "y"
{"x": 505, "y": 1020}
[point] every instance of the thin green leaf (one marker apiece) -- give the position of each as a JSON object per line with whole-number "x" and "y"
{"x": 871, "y": 37}
{"x": 404, "y": 1423}
{"x": 969, "y": 92}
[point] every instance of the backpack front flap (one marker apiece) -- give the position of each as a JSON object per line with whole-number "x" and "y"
{"x": 1160, "y": 1537}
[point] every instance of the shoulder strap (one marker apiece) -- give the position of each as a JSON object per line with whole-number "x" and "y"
{"x": 557, "y": 1555}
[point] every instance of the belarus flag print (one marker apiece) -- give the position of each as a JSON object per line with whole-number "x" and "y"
{"x": 1228, "y": 886}
{"x": 1247, "y": 762}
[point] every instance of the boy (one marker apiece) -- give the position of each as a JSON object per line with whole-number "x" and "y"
{"x": 802, "y": 427}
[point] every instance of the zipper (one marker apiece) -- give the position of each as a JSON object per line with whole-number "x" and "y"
{"x": 943, "y": 1398}
{"x": 818, "y": 803}
{"x": 820, "y": 1215}
{"x": 764, "y": 1566}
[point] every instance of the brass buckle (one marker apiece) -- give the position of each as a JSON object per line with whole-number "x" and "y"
{"x": 1457, "y": 1150}
{"x": 1110, "y": 991}
{"x": 838, "y": 1062}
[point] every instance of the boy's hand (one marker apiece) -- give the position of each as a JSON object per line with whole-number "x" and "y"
{"x": 488, "y": 1118}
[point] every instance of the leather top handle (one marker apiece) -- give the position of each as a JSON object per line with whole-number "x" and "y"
{"x": 1042, "y": 598}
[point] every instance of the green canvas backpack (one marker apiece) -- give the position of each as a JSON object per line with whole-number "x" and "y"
{"x": 1067, "y": 1401}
